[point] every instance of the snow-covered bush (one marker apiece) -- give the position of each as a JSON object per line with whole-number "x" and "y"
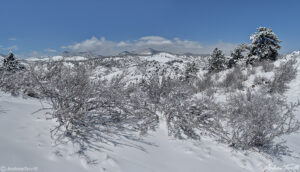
{"x": 256, "y": 119}
{"x": 193, "y": 118}
{"x": 204, "y": 82}
{"x": 10, "y": 82}
{"x": 18, "y": 82}
{"x": 92, "y": 110}
{"x": 234, "y": 79}
{"x": 157, "y": 87}
{"x": 267, "y": 65}
{"x": 286, "y": 72}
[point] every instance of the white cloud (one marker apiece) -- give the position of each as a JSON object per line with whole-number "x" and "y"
{"x": 12, "y": 39}
{"x": 153, "y": 40}
{"x": 123, "y": 44}
{"x": 188, "y": 44}
{"x": 49, "y": 50}
{"x": 105, "y": 47}
{"x": 13, "y": 47}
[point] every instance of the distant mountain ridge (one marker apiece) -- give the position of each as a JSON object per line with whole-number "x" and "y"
{"x": 144, "y": 52}
{"x": 83, "y": 54}
{"x": 151, "y": 51}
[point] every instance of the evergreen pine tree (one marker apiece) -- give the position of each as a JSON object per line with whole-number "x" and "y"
{"x": 265, "y": 44}
{"x": 191, "y": 70}
{"x": 10, "y": 63}
{"x": 217, "y": 61}
{"x": 238, "y": 54}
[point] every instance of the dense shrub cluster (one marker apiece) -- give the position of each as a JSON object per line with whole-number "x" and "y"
{"x": 93, "y": 109}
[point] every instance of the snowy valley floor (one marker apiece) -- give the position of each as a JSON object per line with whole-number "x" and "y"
{"x": 25, "y": 142}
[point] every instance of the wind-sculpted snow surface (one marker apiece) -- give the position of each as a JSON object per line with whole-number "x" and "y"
{"x": 160, "y": 112}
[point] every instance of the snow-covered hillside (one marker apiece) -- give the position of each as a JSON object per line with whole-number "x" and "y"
{"x": 26, "y": 141}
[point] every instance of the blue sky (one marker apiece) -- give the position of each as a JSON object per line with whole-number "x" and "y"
{"x": 35, "y": 27}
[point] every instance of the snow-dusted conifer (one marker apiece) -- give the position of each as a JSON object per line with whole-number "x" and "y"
{"x": 217, "y": 60}
{"x": 10, "y": 63}
{"x": 265, "y": 44}
{"x": 238, "y": 54}
{"x": 191, "y": 70}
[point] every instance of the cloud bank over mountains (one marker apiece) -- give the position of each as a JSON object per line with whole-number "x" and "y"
{"x": 103, "y": 46}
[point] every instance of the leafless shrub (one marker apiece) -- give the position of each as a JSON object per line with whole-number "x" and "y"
{"x": 192, "y": 118}
{"x": 256, "y": 119}
{"x": 267, "y": 65}
{"x": 204, "y": 83}
{"x": 251, "y": 70}
{"x": 18, "y": 82}
{"x": 286, "y": 72}
{"x": 234, "y": 79}
{"x": 9, "y": 82}
{"x": 158, "y": 88}
{"x": 155, "y": 87}
{"x": 92, "y": 110}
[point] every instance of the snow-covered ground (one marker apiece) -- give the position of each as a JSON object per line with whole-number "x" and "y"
{"x": 25, "y": 141}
